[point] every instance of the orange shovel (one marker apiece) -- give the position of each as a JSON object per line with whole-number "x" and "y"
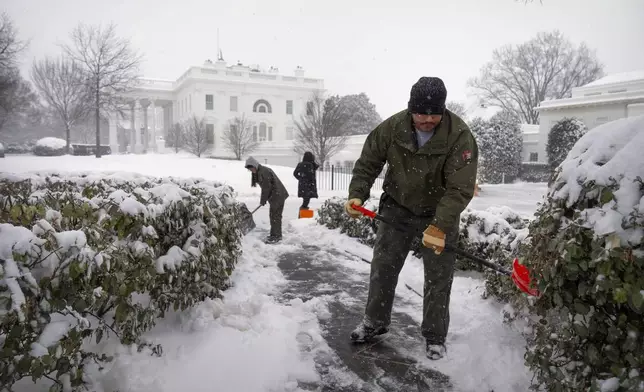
{"x": 520, "y": 274}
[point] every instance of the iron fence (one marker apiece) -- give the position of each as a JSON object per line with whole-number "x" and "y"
{"x": 338, "y": 178}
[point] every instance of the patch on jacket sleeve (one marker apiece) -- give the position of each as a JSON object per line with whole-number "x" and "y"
{"x": 467, "y": 155}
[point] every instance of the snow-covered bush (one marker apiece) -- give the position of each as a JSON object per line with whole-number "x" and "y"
{"x": 492, "y": 234}
{"x": 495, "y": 235}
{"x": 500, "y": 143}
{"x": 50, "y": 146}
{"x": 332, "y": 215}
{"x": 19, "y": 148}
{"x": 586, "y": 250}
{"x": 86, "y": 258}
{"x": 562, "y": 137}
{"x": 535, "y": 172}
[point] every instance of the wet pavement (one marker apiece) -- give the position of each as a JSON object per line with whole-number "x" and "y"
{"x": 385, "y": 365}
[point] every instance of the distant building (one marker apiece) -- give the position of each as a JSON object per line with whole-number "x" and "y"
{"x": 607, "y": 99}
{"x": 219, "y": 92}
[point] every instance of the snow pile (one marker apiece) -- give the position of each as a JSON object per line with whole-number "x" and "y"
{"x": 90, "y": 257}
{"x": 586, "y": 247}
{"x": 246, "y": 341}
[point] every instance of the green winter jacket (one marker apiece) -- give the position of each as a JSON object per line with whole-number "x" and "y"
{"x": 436, "y": 180}
{"x": 273, "y": 191}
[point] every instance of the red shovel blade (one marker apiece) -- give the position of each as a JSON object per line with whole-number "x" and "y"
{"x": 521, "y": 278}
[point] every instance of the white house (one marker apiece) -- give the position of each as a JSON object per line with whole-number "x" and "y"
{"x": 219, "y": 92}
{"x": 607, "y": 99}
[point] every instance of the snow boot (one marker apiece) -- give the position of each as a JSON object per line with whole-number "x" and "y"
{"x": 365, "y": 331}
{"x": 434, "y": 351}
{"x": 272, "y": 240}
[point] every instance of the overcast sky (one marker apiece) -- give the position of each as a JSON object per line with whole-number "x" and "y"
{"x": 380, "y": 47}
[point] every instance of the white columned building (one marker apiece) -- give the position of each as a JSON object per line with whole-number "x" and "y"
{"x": 218, "y": 93}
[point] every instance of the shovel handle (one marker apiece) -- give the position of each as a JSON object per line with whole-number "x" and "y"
{"x": 448, "y": 247}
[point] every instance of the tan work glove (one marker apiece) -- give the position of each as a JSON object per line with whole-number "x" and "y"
{"x": 434, "y": 238}
{"x": 352, "y": 212}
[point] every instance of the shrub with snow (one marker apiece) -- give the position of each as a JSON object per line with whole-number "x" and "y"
{"x": 493, "y": 234}
{"x": 562, "y": 137}
{"x": 50, "y": 146}
{"x": 86, "y": 258}
{"x": 500, "y": 143}
{"x": 586, "y": 248}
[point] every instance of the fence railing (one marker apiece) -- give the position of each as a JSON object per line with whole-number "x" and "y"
{"x": 338, "y": 178}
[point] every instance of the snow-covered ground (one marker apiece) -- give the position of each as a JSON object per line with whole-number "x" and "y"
{"x": 252, "y": 341}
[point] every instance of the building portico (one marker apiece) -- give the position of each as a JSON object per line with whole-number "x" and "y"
{"x": 218, "y": 93}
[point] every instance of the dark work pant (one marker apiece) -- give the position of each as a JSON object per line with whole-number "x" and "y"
{"x": 305, "y": 202}
{"x": 389, "y": 254}
{"x": 275, "y": 218}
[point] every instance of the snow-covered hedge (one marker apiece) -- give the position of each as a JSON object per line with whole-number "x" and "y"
{"x": 86, "y": 258}
{"x": 535, "y": 172}
{"x": 586, "y": 248}
{"x": 492, "y": 234}
{"x": 500, "y": 143}
{"x": 50, "y": 146}
{"x": 561, "y": 138}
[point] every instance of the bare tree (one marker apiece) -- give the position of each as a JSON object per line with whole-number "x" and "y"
{"x": 10, "y": 45}
{"x": 176, "y": 137}
{"x": 110, "y": 65}
{"x": 238, "y": 137}
{"x": 546, "y": 67}
{"x": 457, "y": 108}
{"x": 16, "y": 94}
{"x": 196, "y": 135}
{"x": 61, "y": 84}
{"x": 17, "y": 98}
{"x": 322, "y": 129}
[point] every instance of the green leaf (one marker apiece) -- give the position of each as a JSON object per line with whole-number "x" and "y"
{"x": 606, "y": 196}
{"x": 121, "y": 312}
{"x": 620, "y": 295}
{"x": 581, "y": 307}
{"x": 24, "y": 364}
{"x": 581, "y": 330}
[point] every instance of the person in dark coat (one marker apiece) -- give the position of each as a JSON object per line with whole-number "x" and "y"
{"x": 273, "y": 192}
{"x": 307, "y": 187}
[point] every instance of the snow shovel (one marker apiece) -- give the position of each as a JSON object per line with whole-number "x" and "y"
{"x": 520, "y": 274}
{"x": 247, "y": 223}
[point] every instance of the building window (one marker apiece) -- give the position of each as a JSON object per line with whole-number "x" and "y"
{"x": 534, "y": 157}
{"x": 255, "y": 133}
{"x": 289, "y": 107}
{"x": 262, "y": 106}
{"x": 210, "y": 103}
{"x": 270, "y": 134}
{"x": 289, "y": 133}
{"x": 262, "y": 132}
{"x": 309, "y": 108}
{"x": 233, "y": 104}
{"x": 210, "y": 134}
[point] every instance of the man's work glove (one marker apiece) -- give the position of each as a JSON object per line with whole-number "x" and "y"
{"x": 434, "y": 238}
{"x": 352, "y": 212}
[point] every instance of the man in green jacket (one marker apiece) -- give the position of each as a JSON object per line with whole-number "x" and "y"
{"x": 432, "y": 160}
{"x": 273, "y": 192}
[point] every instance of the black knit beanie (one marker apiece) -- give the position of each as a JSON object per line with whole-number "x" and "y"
{"x": 428, "y": 96}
